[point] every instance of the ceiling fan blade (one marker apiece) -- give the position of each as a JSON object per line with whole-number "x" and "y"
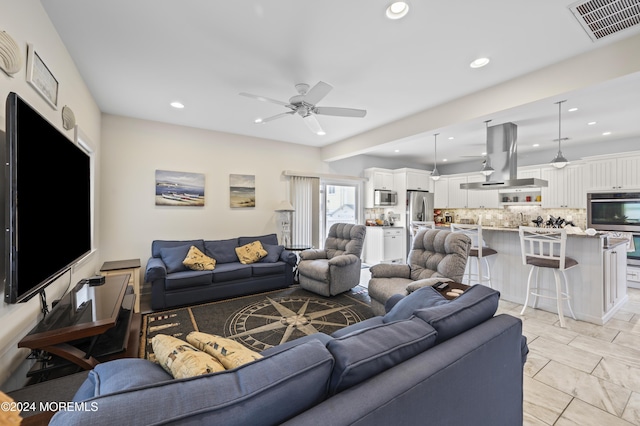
{"x": 317, "y": 92}
{"x": 340, "y": 112}
{"x": 313, "y": 124}
{"x": 274, "y": 117}
{"x": 265, "y": 99}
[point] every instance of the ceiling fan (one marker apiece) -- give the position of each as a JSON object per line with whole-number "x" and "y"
{"x": 304, "y": 104}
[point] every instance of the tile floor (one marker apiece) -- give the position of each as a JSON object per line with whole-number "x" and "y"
{"x": 584, "y": 374}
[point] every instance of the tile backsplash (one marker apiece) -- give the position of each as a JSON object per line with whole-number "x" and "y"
{"x": 514, "y": 216}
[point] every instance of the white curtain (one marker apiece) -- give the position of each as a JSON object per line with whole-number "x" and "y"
{"x": 305, "y": 200}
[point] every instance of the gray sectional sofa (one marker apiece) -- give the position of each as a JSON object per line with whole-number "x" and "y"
{"x": 426, "y": 361}
{"x": 173, "y": 284}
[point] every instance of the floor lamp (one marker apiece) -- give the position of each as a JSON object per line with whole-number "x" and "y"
{"x": 284, "y": 210}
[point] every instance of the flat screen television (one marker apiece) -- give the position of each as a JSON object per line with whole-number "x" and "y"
{"x": 47, "y": 196}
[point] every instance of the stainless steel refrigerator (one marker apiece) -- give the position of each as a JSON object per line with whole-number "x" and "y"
{"x": 419, "y": 211}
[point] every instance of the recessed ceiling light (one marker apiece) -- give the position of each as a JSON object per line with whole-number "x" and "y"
{"x": 397, "y": 150}
{"x": 451, "y": 138}
{"x": 444, "y": 160}
{"x": 397, "y": 10}
{"x": 178, "y": 105}
{"x": 591, "y": 123}
{"x": 321, "y": 133}
{"x": 572, "y": 109}
{"x": 483, "y": 154}
{"x": 479, "y": 63}
{"x": 606, "y": 133}
{"x": 258, "y": 121}
{"x": 536, "y": 145}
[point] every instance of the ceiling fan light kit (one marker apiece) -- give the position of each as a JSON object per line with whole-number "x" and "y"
{"x": 304, "y": 104}
{"x": 560, "y": 161}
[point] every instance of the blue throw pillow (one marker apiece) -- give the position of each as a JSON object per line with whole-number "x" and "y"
{"x": 474, "y": 306}
{"x": 223, "y": 251}
{"x": 173, "y": 257}
{"x": 368, "y": 352}
{"x": 424, "y": 297}
{"x": 273, "y": 253}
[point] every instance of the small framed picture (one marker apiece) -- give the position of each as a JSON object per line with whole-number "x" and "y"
{"x": 40, "y": 77}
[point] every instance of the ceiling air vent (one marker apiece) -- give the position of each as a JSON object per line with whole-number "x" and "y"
{"x": 601, "y": 18}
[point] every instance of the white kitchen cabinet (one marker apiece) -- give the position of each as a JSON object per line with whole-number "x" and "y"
{"x": 419, "y": 180}
{"x": 384, "y": 245}
{"x": 614, "y": 173}
{"x": 383, "y": 180}
{"x": 615, "y": 276}
{"x": 566, "y": 187}
{"x": 483, "y": 199}
{"x": 441, "y": 193}
{"x": 457, "y": 196}
{"x": 633, "y": 276}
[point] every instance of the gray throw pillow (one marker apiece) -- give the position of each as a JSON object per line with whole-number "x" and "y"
{"x": 273, "y": 253}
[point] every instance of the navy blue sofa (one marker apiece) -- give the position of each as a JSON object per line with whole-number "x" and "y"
{"x": 426, "y": 361}
{"x": 173, "y": 284}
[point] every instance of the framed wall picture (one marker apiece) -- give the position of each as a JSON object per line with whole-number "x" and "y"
{"x": 179, "y": 188}
{"x": 242, "y": 191}
{"x": 40, "y": 77}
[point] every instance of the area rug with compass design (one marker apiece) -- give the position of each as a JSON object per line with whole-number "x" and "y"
{"x": 260, "y": 321}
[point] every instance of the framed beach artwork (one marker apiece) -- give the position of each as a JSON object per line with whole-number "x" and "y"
{"x": 242, "y": 191}
{"x": 179, "y": 188}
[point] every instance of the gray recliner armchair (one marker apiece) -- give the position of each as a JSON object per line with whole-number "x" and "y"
{"x": 436, "y": 255}
{"x": 336, "y": 268}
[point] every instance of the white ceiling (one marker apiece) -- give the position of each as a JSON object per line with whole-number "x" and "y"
{"x": 138, "y": 56}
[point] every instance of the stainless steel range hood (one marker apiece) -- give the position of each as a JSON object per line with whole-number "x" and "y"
{"x": 502, "y": 154}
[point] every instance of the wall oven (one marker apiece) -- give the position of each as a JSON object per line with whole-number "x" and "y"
{"x": 614, "y": 211}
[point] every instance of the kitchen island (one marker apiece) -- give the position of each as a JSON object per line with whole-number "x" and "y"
{"x": 597, "y": 286}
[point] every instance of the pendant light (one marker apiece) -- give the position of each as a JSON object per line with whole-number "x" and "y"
{"x": 559, "y": 162}
{"x": 487, "y": 170}
{"x": 435, "y": 174}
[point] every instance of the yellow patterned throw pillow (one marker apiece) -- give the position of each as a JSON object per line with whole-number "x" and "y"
{"x": 198, "y": 261}
{"x": 251, "y": 253}
{"x": 181, "y": 360}
{"x": 230, "y": 353}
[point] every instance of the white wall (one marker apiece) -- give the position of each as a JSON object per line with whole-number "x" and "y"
{"x": 26, "y": 22}
{"x": 133, "y": 149}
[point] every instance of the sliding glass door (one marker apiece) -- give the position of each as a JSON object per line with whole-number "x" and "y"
{"x": 340, "y": 203}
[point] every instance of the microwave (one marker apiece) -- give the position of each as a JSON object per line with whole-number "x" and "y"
{"x": 614, "y": 211}
{"x": 383, "y": 197}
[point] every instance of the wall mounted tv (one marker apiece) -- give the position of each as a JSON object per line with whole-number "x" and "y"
{"x": 47, "y": 196}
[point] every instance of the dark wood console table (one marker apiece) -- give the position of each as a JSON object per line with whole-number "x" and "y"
{"x": 88, "y": 323}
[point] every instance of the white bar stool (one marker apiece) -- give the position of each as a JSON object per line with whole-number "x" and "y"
{"x": 479, "y": 252}
{"x": 545, "y": 248}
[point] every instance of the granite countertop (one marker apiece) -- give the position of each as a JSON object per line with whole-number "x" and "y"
{"x": 515, "y": 229}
